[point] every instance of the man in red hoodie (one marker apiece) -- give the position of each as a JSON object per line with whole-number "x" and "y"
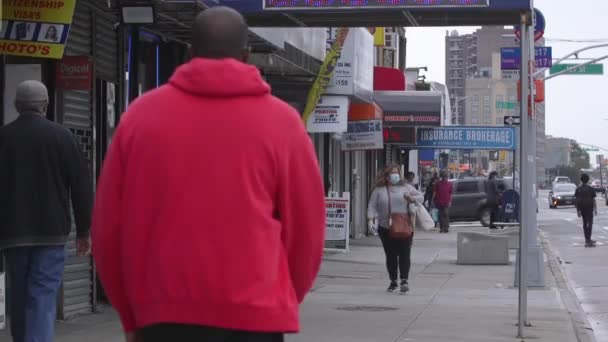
{"x": 209, "y": 219}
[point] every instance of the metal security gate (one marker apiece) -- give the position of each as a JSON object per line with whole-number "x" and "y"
{"x": 76, "y": 296}
{"x": 106, "y": 47}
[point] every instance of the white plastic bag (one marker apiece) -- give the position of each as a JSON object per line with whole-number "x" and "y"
{"x": 424, "y": 221}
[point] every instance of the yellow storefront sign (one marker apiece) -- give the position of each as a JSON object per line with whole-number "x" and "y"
{"x": 379, "y": 37}
{"x": 48, "y": 11}
{"x": 35, "y": 28}
{"x": 32, "y": 49}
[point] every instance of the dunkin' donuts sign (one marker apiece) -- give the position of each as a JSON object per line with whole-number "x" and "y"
{"x": 74, "y": 73}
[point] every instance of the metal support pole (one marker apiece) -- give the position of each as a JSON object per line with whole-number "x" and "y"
{"x": 524, "y": 177}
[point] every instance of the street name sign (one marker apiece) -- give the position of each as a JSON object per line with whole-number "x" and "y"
{"x": 590, "y": 69}
{"x": 510, "y": 58}
{"x": 512, "y": 120}
{"x": 505, "y": 105}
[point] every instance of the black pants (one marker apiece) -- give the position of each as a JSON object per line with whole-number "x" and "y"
{"x": 192, "y": 333}
{"x": 493, "y": 207}
{"x": 398, "y": 254}
{"x": 444, "y": 218}
{"x": 587, "y": 214}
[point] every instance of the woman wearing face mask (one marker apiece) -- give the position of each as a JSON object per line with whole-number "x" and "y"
{"x": 397, "y": 250}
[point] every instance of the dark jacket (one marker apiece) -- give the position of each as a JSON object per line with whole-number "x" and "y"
{"x": 41, "y": 167}
{"x": 492, "y": 192}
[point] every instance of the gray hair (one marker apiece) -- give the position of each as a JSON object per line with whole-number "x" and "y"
{"x": 31, "y": 96}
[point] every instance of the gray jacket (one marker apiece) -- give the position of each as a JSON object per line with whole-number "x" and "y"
{"x": 378, "y": 202}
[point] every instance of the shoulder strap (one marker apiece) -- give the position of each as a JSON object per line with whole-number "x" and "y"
{"x": 388, "y": 193}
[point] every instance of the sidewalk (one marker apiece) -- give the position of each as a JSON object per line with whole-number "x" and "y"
{"x": 448, "y": 302}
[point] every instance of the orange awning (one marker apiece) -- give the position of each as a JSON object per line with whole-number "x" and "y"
{"x": 364, "y": 112}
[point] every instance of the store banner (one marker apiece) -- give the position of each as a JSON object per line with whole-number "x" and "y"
{"x": 475, "y": 138}
{"x": 354, "y": 74}
{"x": 337, "y": 221}
{"x": 363, "y": 135}
{"x": 74, "y": 73}
{"x": 330, "y": 115}
{"x": 35, "y": 28}
{"x": 413, "y": 119}
{"x": 325, "y": 74}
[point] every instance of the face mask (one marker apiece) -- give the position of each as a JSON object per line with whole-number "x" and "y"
{"x": 395, "y": 179}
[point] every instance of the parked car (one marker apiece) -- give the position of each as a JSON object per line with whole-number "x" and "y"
{"x": 469, "y": 199}
{"x": 561, "y": 179}
{"x": 562, "y": 194}
{"x": 598, "y": 186}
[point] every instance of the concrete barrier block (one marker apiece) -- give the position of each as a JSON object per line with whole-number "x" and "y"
{"x": 511, "y": 233}
{"x": 482, "y": 249}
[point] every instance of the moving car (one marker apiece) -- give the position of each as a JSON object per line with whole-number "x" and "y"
{"x": 561, "y": 179}
{"x": 598, "y": 186}
{"x": 562, "y": 194}
{"x": 469, "y": 199}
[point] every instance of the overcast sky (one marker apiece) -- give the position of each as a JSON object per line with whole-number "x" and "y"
{"x": 577, "y": 106}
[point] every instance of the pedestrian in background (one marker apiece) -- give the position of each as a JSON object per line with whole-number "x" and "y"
{"x": 428, "y": 191}
{"x": 493, "y": 198}
{"x": 586, "y": 207}
{"x": 397, "y": 251}
{"x": 210, "y": 216}
{"x": 41, "y": 169}
{"x": 442, "y": 197}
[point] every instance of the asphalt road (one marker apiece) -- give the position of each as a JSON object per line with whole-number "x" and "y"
{"x": 586, "y": 268}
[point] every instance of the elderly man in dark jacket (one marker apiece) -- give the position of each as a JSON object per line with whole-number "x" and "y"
{"x": 41, "y": 168}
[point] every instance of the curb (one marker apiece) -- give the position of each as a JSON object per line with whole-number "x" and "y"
{"x": 582, "y": 327}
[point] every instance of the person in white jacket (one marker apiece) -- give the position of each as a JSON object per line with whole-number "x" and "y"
{"x": 404, "y": 198}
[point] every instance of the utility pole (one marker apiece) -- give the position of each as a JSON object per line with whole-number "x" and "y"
{"x": 525, "y": 181}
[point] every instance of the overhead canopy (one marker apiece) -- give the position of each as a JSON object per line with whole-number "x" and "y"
{"x": 410, "y": 108}
{"x": 408, "y": 101}
{"x": 359, "y": 14}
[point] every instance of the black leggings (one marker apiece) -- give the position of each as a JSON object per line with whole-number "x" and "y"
{"x": 397, "y": 255}
{"x": 587, "y": 214}
{"x": 193, "y": 333}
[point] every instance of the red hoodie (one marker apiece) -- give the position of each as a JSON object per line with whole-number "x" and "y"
{"x": 210, "y": 207}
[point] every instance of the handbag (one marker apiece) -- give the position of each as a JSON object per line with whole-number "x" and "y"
{"x": 424, "y": 220}
{"x": 400, "y": 225}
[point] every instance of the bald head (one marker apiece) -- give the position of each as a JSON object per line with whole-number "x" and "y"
{"x": 32, "y": 96}
{"x": 220, "y": 32}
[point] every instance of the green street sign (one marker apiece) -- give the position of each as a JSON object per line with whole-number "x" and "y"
{"x": 591, "y": 149}
{"x": 505, "y": 105}
{"x": 591, "y": 69}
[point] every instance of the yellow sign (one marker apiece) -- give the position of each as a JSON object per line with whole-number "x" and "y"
{"x": 46, "y": 11}
{"x": 503, "y": 156}
{"x": 327, "y": 70}
{"x": 32, "y": 49}
{"x": 379, "y": 37}
{"x": 35, "y": 28}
